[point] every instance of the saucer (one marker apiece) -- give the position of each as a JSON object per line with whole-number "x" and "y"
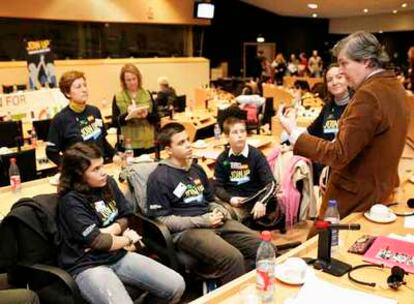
{"x": 391, "y": 217}
{"x": 142, "y": 159}
{"x": 54, "y": 180}
{"x": 279, "y": 274}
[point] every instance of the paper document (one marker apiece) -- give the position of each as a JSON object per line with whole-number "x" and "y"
{"x": 319, "y": 291}
{"x": 136, "y": 112}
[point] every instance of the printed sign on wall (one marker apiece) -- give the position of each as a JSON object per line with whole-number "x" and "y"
{"x": 40, "y": 64}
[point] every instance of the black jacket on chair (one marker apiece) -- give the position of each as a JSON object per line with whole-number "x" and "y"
{"x": 29, "y": 240}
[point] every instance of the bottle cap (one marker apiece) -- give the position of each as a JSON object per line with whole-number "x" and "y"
{"x": 266, "y": 236}
{"x": 332, "y": 203}
{"x": 12, "y": 160}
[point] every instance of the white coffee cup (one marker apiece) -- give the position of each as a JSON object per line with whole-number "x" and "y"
{"x": 294, "y": 269}
{"x": 379, "y": 211}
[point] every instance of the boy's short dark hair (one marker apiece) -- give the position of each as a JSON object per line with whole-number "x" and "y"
{"x": 230, "y": 122}
{"x": 166, "y": 132}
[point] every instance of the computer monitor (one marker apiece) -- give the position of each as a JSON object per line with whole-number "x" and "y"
{"x": 11, "y": 134}
{"x": 203, "y": 10}
{"x": 42, "y": 128}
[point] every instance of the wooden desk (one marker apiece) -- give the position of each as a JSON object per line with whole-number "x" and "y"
{"x": 280, "y": 95}
{"x": 192, "y": 121}
{"x": 228, "y": 294}
{"x": 289, "y": 81}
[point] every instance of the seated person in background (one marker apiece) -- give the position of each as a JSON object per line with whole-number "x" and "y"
{"x": 78, "y": 122}
{"x": 242, "y": 171}
{"x": 97, "y": 246}
{"x": 166, "y": 95}
{"x": 326, "y": 124}
{"x": 180, "y": 196}
{"x": 247, "y": 97}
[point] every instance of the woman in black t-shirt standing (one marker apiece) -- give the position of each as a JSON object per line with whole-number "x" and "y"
{"x": 97, "y": 246}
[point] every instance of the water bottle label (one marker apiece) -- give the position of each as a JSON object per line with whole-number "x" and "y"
{"x": 15, "y": 182}
{"x": 335, "y": 232}
{"x": 263, "y": 280}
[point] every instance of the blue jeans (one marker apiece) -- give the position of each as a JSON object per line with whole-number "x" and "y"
{"x": 104, "y": 283}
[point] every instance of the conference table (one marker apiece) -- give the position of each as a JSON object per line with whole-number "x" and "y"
{"x": 231, "y": 292}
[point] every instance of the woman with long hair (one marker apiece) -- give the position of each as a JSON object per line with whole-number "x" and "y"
{"x": 325, "y": 126}
{"x": 98, "y": 247}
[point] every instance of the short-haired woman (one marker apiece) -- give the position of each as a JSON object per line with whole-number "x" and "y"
{"x": 78, "y": 122}
{"x": 97, "y": 246}
{"x": 133, "y": 112}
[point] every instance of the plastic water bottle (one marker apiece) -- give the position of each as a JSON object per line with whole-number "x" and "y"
{"x": 129, "y": 152}
{"x": 332, "y": 216}
{"x": 265, "y": 267}
{"x": 217, "y": 132}
{"x": 33, "y": 138}
{"x": 14, "y": 174}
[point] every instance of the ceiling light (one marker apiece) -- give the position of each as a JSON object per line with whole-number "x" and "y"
{"x": 312, "y": 5}
{"x": 404, "y": 5}
{"x": 315, "y": 15}
{"x": 260, "y": 39}
{"x": 394, "y": 11}
{"x": 365, "y": 10}
{"x": 380, "y": 31}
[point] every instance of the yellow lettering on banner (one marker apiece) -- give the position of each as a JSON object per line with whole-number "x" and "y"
{"x": 37, "y": 45}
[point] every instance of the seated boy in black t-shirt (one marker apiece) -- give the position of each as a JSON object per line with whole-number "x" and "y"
{"x": 179, "y": 195}
{"x": 243, "y": 177}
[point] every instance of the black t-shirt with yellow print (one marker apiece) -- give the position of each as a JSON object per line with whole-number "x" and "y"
{"x": 241, "y": 176}
{"x": 69, "y": 127}
{"x": 79, "y": 221}
{"x": 173, "y": 191}
{"x": 325, "y": 126}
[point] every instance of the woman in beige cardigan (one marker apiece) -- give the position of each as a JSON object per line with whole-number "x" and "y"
{"x": 133, "y": 112}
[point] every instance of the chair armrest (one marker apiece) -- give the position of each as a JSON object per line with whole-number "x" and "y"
{"x": 39, "y": 276}
{"x": 158, "y": 238}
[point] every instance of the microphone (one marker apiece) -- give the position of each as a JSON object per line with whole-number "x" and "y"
{"x": 328, "y": 225}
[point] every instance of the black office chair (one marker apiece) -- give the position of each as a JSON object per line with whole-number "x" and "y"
{"x": 25, "y": 160}
{"x": 268, "y": 111}
{"x": 231, "y": 111}
{"x": 42, "y": 128}
{"x": 11, "y": 134}
{"x": 7, "y": 89}
{"x": 21, "y": 87}
{"x": 29, "y": 241}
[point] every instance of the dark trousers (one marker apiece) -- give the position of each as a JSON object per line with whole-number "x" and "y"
{"x": 18, "y": 296}
{"x": 229, "y": 249}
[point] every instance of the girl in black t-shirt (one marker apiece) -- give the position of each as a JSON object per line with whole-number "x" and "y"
{"x": 98, "y": 248}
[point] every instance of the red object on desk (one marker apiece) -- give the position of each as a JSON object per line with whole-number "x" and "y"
{"x": 391, "y": 252}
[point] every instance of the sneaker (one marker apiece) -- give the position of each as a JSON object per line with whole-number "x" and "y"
{"x": 209, "y": 286}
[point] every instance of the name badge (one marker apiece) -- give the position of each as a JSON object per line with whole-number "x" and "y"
{"x": 179, "y": 190}
{"x": 98, "y": 122}
{"x": 100, "y": 206}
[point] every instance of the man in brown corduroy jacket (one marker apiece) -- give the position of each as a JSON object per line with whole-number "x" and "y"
{"x": 364, "y": 156}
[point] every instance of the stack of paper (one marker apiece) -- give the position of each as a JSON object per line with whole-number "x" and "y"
{"x": 321, "y": 292}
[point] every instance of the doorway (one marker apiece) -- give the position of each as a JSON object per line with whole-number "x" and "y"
{"x": 251, "y": 63}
